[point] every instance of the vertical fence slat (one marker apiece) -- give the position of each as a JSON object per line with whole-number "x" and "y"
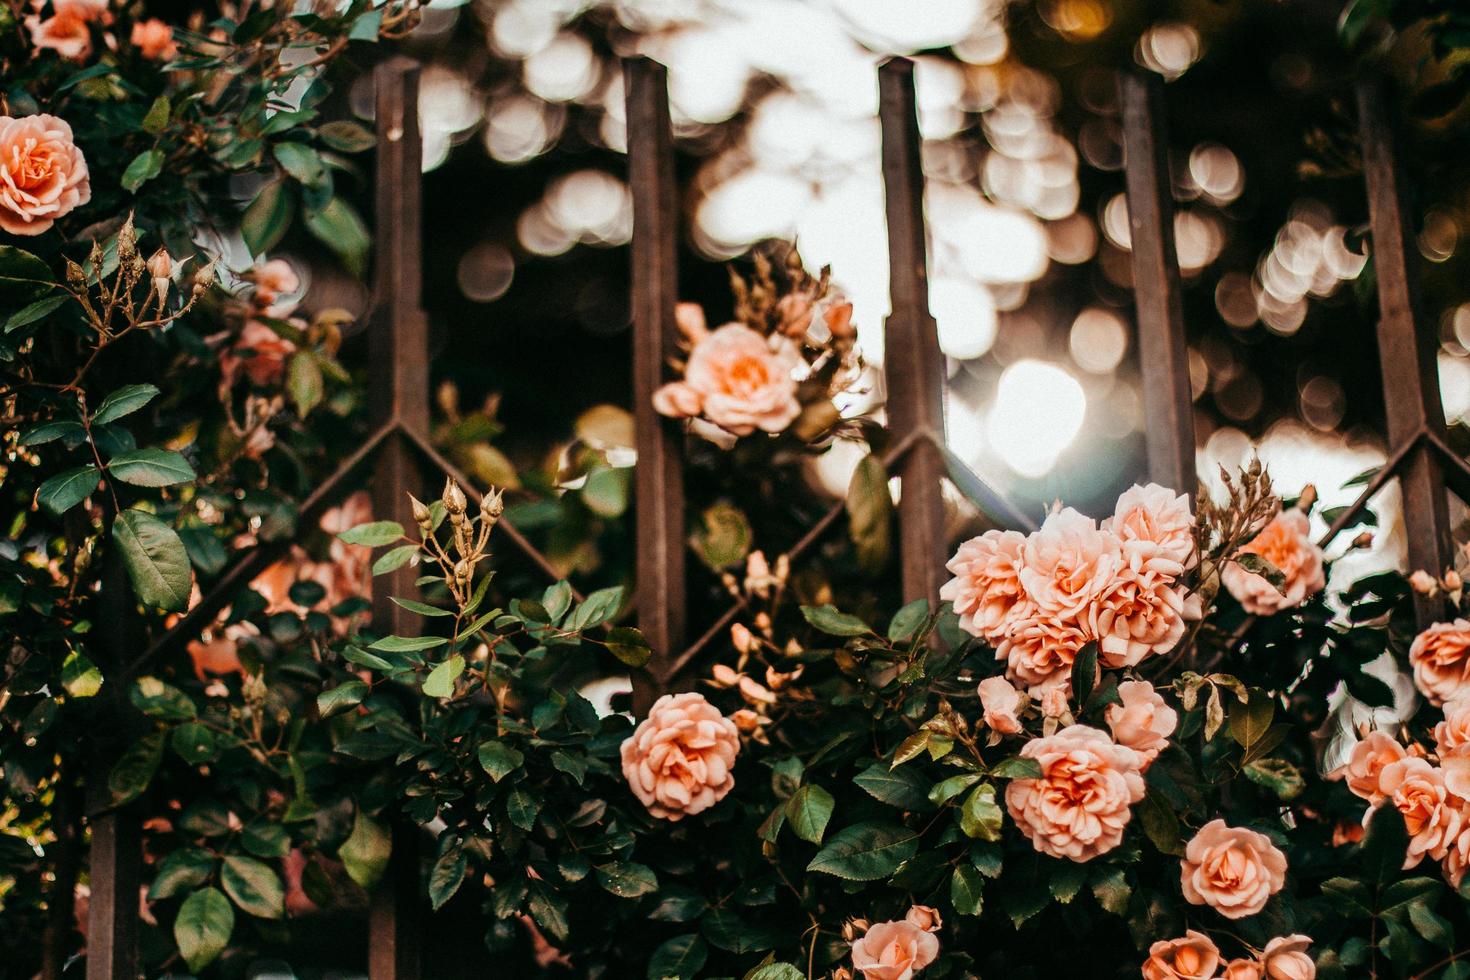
{"x": 114, "y": 865}
{"x": 912, "y": 360}
{"x": 1406, "y": 344}
{"x": 398, "y": 352}
{"x": 659, "y": 479}
{"x": 1162, "y": 350}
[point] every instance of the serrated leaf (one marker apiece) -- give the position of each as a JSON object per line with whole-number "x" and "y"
{"x": 187, "y": 867}
{"x": 980, "y": 816}
{"x": 830, "y": 621}
{"x": 151, "y": 468}
{"x": 808, "y": 810}
{"x": 1017, "y": 767}
{"x": 967, "y": 890}
{"x": 447, "y": 875}
{"x": 135, "y": 769}
{"x": 203, "y": 926}
{"x": 253, "y": 886}
{"x": 680, "y": 958}
{"x": 903, "y": 788}
{"x": 157, "y": 564}
{"x": 80, "y": 676}
{"x": 629, "y": 646}
{"x": 865, "y": 851}
{"x": 143, "y": 168}
{"x": 627, "y": 879}
{"x": 907, "y": 621}
{"x": 1386, "y": 844}
{"x": 499, "y": 760}
{"x": 346, "y": 136}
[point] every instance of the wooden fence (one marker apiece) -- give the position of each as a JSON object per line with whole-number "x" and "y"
{"x": 401, "y": 458}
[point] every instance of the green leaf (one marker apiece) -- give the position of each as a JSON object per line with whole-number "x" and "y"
{"x": 1160, "y": 823}
{"x": 980, "y": 815}
{"x": 160, "y": 700}
{"x": 343, "y": 697}
{"x": 1016, "y": 767}
{"x": 627, "y": 879}
{"x": 156, "y": 120}
{"x": 422, "y": 608}
{"x": 680, "y": 958}
{"x": 1432, "y": 927}
{"x": 157, "y": 563}
{"x": 1277, "y": 775}
{"x": 135, "y": 769}
{"x": 499, "y": 759}
{"x": 1110, "y": 888}
{"x": 440, "y": 682}
{"x": 865, "y": 851}
{"x": 906, "y": 789}
{"x": 80, "y": 676}
{"x": 339, "y": 227}
{"x": 521, "y": 808}
{"x": 373, "y": 534}
{"x": 1386, "y": 844}
{"x": 808, "y": 810}
{"x": 194, "y": 743}
{"x": 629, "y": 646}
{"x": 947, "y": 789}
{"x": 775, "y": 971}
{"x": 304, "y": 382}
{"x": 728, "y": 931}
{"x": 870, "y": 514}
{"x": 597, "y": 608}
{"x": 265, "y": 222}
{"x": 67, "y": 489}
{"x": 266, "y": 840}
{"x": 122, "y": 402}
{"x": 1349, "y": 897}
{"x": 253, "y": 886}
{"x": 187, "y": 867}
{"x": 346, "y": 136}
{"x": 301, "y": 162}
{"x": 32, "y": 312}
{"x": 1084, "y": 673}
{"x": 394, "y": 559}
{"x": 407, "y": 644}
{"x": 549, "y": 911}
{"x": 203, "y": 926}
{"x": 830, "y": 621}
{"x": 50, "y": 432}
{"x": 906, "y": 622}
{"x": 145, "y": 167}
{"x": 366, "y": 851}
{"x": 447, "y": 874}
{"x": 151, "y": 468}
{"x": 23, "y": 277}
{"x": 967, "y": 890}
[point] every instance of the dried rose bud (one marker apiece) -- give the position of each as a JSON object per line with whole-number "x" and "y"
{"x": 752, "y": 690}
{"x": 842, "y": 973}
{"x": 747, "y": 721}
{"x": 454, "y": 499}
{"x": 725, "y": 676}
{"x": 743, "y": 640}
{"x": 160, "y": 264}
{"x": 492, "y": 505}
{"x": 853, "y": 928}
{"x": 776, "y": 680}
{"x": 422, "y": 516}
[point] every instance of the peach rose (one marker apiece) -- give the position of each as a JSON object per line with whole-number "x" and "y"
{"x": 986, "y": 587}
{"x": 678, "y": 761}
{"x": 154, "y": 40}
{"x": 689, "y": 317}
{"x": 90, "y": 10}
{"x": 1440, "y": 657}
{"x": 1192, "y": 957}
{"x": 924, "y": 917}
{"x": 677, "y": 400}
{"x": 218, "y": 655}
{"x": 744, "y": 382}
{"x": 1155, "y": 515}
{"x": 1038, "y": 649}
{"x": 1001, "y": 701}
{"x": 1432, "y": 814}
{"x": 1079, "y": 807}
{"x": 43, "y": 174}
{"x": 893, "y": 951}
{"x": 1457, "y": 855}
{"x": 259, "y": 353}
{"x": 1142, "y": 611}
{"x": 1285, "y": 958}
{"x": 273, "y": 281}
{"x": 64, "y": 32}
{"x": 1284, "y": 543}
{"x": 1231, "y": 869}
{"x": 1453, "y": 733}
{"x": 1366, "y": 763}
{"x": 1142, "y": 720}
{"x": 1067, "y": 563}
{"x": 1242, "y": 969}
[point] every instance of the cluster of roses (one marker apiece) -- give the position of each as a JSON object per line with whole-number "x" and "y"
{"x": 69, "y": 27}
{"x": 1195, "y": 957}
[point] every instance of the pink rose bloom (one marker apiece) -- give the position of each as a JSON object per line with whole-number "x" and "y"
{"x": 1001, "y": 701}
{"x": 1231, "y": 869}
{"x": 1453, "y": 733}
{"x": 1142, "y": 611}
{"x": 90, "y": 10}
{"x": 1432, "y": 814}
{"x": 678, "y": 762}
{"x": 154, "y": 40}
{"x": 690, "y": 319}
{"x": 63, "y": 32}
{"x": 1457, "y": 855}
{"x": 1366, "y": 764}
{"x": 894, "y": 951}
{"x": 1193, "y": 957}
{"x": 743, "y": 381}
{"x": 260, "y": 353}
{"x": 274, "y": 281}
{"x": 1142, "y": 721}
{"x": 1068, "y": 563}
{"x": 924, "y": 917}
{"x": 1285, "y": 958}
{"x": 1038, "y": 649}
{"x": 1440, "y": 657}
{"x": 43, "y": 174}
{"x": 986, "y": 587}
{"x": 1242, "y": 969}
{"x": 1284, "y": 543}
{"x": 216, "y": 656}
{"x": 1155, "y": 515}
{"x": 1079, "y": 807}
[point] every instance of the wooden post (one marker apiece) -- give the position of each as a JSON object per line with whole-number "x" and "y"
{"x": 1406, "y": 346}
{"x": 912, "y": 360}
{"x": 398, "y": 355}
{"x": 659, "y": 478}
{"x": 1163, "y": 353}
